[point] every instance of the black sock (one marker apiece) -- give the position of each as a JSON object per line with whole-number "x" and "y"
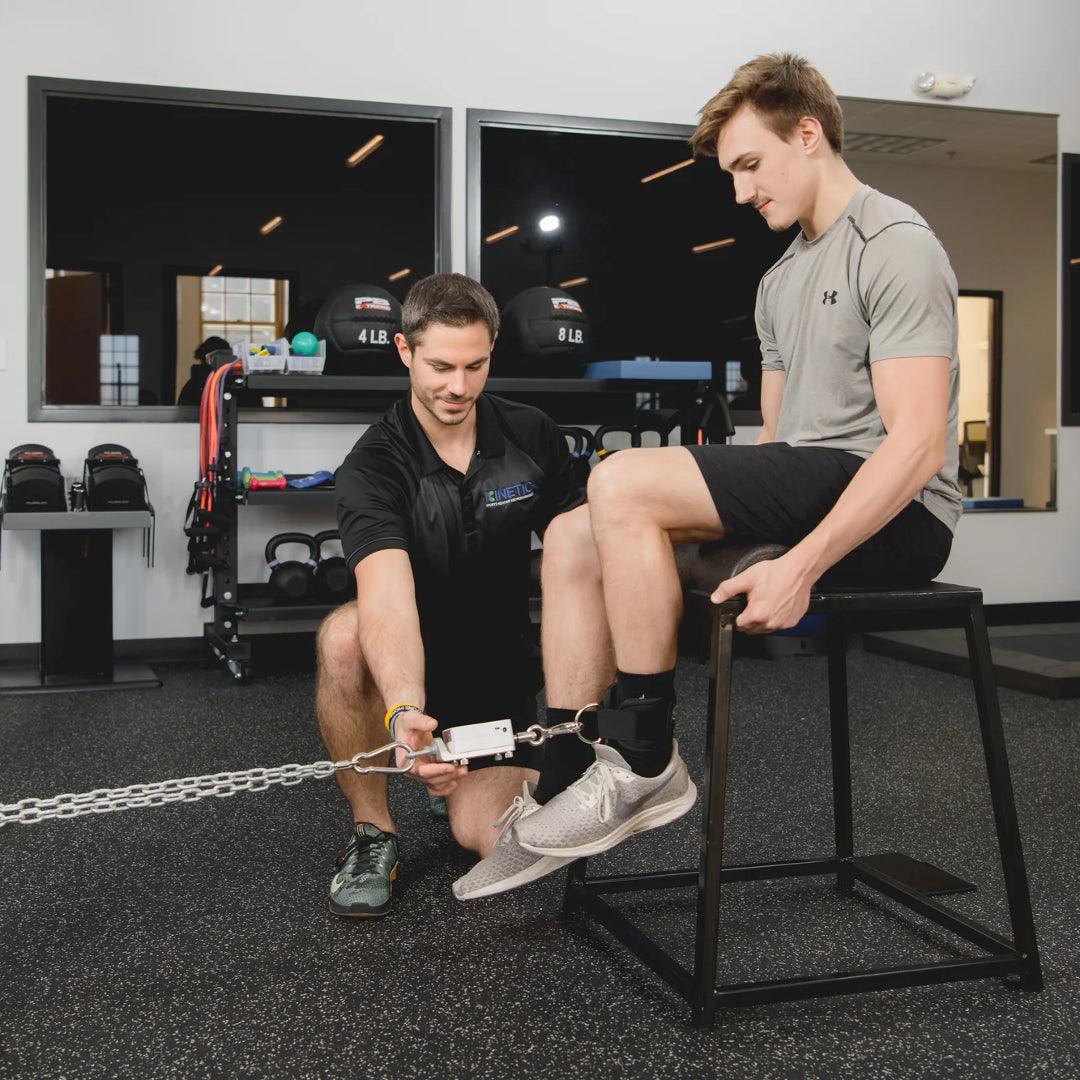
{"x": 566, "y": 757}
{"x": 629, "y": 685}
{"x": 653, "y": 696}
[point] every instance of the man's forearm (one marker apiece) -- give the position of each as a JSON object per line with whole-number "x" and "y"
{"x": 394, "y": 653}
{"x": 890, "y": 478}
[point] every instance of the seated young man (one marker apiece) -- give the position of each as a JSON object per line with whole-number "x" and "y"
{"x": 855, "y": 469}
{"x": 436, "y": 506}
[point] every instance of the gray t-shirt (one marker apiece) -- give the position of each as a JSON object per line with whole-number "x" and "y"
{"x": 875, "y": 285}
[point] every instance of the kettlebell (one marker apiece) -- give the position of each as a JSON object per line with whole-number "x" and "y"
{"x": 602, "y": 433}
{"x": 581, "y": 450}
{"x": 293, "y": 580}
{"x": 333, "y": 582}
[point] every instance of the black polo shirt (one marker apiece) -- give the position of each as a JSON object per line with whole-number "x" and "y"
{"x": 468, "y": 536}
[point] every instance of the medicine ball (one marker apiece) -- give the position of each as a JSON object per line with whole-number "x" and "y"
{"x": 544, "y": 332}
{"x": 359, "y": 323}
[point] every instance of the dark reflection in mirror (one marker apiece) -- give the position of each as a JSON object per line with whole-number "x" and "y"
{"x": 169, "y": 225}
{"x": 650, "y": 243}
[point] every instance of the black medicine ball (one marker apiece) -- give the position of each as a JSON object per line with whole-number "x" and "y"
{"x": 544, "y": 332}
{"x": 359, "y": 323}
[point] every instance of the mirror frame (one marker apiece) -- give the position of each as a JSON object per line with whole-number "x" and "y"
{"x": 40, "y": 88}
{"x": 1070, "y": 334}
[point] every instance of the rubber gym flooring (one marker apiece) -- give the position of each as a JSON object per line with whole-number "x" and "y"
{"x": 195, "y": 941}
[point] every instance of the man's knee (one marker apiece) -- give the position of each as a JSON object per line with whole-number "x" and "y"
{"x": 569, "y": 548}
{"x": 337, "y": 644}
{"x": 613, "y": 485}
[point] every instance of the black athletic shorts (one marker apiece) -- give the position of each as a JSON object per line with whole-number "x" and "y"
{"x": 454, "y": 707}
{"x": 777, "y": 493}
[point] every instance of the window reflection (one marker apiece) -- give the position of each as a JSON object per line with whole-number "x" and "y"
{"x": 169, "y": 224}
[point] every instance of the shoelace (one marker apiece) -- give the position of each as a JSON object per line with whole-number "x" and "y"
{"x": 367, "y": 849}
{"x": 505, "y": 821}
{"x": 597, "y": 788}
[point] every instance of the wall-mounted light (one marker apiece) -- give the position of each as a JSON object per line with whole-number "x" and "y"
{"x": 1074, "y": 262}
{"x": 369, "y": 147}
{"x": 667, "y": 172}
{"x": 397, "y": 275}
{"x": 942, "y": 86}
{"x": 549, "y": 223}
{"x": 215, "y": 270}
{"x": 699, "y": 249}
{"x": 502, "y": 234}
{"x": 571, "y": 282}
{"x": 271, "y": 225}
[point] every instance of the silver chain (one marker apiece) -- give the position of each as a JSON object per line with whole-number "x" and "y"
{"x": 223, "y": 784}
{"x": 193, "y": 788}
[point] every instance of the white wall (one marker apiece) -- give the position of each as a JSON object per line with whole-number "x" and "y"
{"x": 635, "y": 59}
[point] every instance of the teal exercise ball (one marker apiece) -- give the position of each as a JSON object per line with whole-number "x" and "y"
{"x": 305, "y": 344}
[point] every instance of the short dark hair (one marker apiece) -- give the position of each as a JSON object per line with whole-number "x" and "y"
{"x": 449, "y": 299}
{"x": 781, "y": 88}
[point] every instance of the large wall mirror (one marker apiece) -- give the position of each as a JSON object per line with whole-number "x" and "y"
{"x": 166, "y": 220}
{"x": 666, "y": 264}
{"x": 650, "y": 242}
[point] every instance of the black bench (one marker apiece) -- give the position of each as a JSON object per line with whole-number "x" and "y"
{"x": 846, "y": 610}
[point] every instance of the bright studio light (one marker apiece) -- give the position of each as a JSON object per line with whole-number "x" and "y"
{"x": 549, "y": 223}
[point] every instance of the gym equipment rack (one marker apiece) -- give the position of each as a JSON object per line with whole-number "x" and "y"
{"x": 234, "y": 601}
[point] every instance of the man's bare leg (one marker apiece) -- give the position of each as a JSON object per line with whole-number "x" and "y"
{"x": 578, "y": 659}
{"x": 350, "y": 712}
{"x": 642, "y": 502}
{"x": 479, "y": 800}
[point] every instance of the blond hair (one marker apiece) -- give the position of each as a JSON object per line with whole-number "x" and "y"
{"x": 781, "y": 88}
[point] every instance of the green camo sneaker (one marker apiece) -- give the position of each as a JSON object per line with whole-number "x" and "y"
{"x": 365, "y": 873}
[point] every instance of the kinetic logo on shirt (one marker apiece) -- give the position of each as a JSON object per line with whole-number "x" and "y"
{"x": 503, "y": 496}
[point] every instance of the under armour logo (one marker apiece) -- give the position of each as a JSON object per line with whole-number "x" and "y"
{"x": 830, "y": 297}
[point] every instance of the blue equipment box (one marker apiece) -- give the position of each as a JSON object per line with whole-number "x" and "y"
{"x": 993, "y": 502}
{"x": 694, "y": 370}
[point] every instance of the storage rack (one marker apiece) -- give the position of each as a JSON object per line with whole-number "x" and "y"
{"x": 235, "y": 602}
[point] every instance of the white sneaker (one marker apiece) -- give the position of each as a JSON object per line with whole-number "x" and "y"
{"x": 605, "y": 806}
{"x": 508, "y": 865}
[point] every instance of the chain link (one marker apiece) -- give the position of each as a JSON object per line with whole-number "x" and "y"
{"x": 193, "y": 788}
{"x": 222, "y": 785}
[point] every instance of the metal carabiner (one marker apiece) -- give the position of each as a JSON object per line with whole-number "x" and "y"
{"x": 395, "y": 770}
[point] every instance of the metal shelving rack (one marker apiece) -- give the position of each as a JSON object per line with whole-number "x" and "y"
{"x": 236, "y": 602}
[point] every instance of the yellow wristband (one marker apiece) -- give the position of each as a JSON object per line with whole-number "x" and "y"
{"x": 388, "y": 719}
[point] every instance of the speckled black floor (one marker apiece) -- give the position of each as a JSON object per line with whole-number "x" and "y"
{"x": 195, "y": 941}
